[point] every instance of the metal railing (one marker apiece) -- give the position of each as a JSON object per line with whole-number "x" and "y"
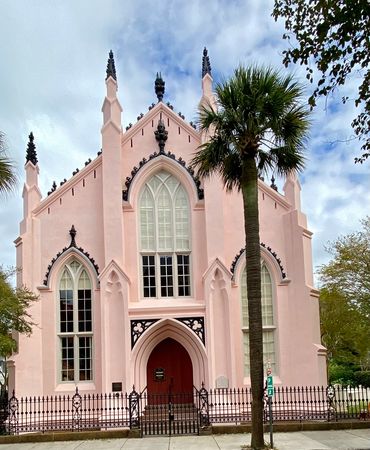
{"x": 175, "y": 413}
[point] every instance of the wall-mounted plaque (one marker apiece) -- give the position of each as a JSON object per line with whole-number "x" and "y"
{"x": 117, "y": 386}
{"x": 159, "y": 374}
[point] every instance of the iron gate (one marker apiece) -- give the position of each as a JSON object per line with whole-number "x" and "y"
{"x": 169, "y": 413}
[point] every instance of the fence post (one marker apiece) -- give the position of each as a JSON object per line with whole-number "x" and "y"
{"x": 203, "y": 407}
{"x": 134, "y": 408}
{"x": 76, "y": 410}
{"x": 330, "y": 395}
{"x": 12, "y": 412}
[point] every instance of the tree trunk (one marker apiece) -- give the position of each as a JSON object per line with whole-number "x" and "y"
{"x": 249, "y": 188}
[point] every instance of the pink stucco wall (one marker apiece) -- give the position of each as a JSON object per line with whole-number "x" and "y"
{"x": 107, "y": 228}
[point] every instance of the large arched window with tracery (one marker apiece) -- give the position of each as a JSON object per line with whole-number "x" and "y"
{"x": 165, "y": 237}
{"x": 268, "y": 324}
{"x": 75, "y": 328}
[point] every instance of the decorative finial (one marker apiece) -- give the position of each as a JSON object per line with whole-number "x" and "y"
{"x": 31, "y": 150}
{"x": 206, "y": 65}
{"x": 161, "y": 135}
{"x": 111, "y": 68}
{"x": 72, "y": 233}
{"x": 273, "y": 185}
{"x": 159, "y": 87}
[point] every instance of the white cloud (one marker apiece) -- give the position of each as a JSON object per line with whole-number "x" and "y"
{"x": 52, "y": 83}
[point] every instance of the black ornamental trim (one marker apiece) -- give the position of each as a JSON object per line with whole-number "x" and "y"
{"x": 161, "y": 136}
{"x": 169, "y": 155}
{"x": 269, "y": 249}
{"x": 138, "y": 327}
{"x": 196, "y": 325}
{"x": 72, "y": 233}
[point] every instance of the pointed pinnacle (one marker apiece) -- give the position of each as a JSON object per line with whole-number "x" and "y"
{"x": 159, "y": 86}
{"x": 31, "y": 150}
{"x": 111, "y": 68}
{"x": 206, "y": 65}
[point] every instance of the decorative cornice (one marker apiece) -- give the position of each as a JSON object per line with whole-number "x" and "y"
{"x": 111, "y": 68}
{"x": 278, "y": 260}
{"x": 72, "y": 233}
{"x": 206, "y": 65}
{"x": 31, "y": 154}
{"x": 169, "y": 155}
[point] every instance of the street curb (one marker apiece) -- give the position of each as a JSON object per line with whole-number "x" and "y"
{"x": 280, "y": 427}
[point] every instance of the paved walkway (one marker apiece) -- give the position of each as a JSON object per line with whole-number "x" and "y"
{"x": 305, "y": 440}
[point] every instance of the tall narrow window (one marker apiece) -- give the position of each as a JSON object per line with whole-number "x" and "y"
{"x": 267, "y": 320}
{"x": 165, "y": 238}
{"x": 75, "y": 324}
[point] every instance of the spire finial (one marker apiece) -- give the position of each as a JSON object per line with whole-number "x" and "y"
{"x": 72, "y": 233}
{"x": 161, "y": 135}
{"x": 206, "y": 65}
{"x": 111, "y": 68}
{"x": 31, "y": 150}
{"x": 159, "y": 86}
{"x": 273, "y": 185}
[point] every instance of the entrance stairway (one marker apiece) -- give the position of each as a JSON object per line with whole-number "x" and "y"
{"x": 170, "y": 419}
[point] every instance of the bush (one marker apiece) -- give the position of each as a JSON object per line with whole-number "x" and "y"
{"x": 342, "y": 374}
{"x": 362, "y": 378}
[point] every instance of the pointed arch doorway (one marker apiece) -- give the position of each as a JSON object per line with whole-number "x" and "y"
{"x": 169, "y": 369}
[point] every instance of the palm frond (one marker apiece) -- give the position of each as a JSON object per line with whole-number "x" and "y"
{"x": 260, "y": 114}
{"x": 8, "y": 179}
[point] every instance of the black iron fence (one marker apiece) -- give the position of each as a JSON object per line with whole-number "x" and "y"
{"x": 177, "y": 413}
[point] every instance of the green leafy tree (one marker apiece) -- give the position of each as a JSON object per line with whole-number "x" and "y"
{"x": 345, "y": 333}
{"x": 348, "y": 272}
{"x": 334, "y": 35}
{"x": 7, "y": 170}
{"x": 259, "y": 124}
{"x": 14, "y": 317}
{"x": 345, "y": 304}
{"x": 14, "y": 312}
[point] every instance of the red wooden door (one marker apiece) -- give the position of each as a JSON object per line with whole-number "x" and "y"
{"x": 169, "y": 369}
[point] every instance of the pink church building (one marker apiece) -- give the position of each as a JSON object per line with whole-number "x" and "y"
{"x": 140, "y": 273}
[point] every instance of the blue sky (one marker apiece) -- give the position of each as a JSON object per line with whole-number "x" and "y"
{"x": 52, "y": 83}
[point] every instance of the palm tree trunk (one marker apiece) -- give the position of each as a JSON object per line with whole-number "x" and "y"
{"x": 253, "y": 262}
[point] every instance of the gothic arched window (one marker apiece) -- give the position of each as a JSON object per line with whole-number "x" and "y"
{"x": 165, "y": 237}
{"x": 75, "y": 331}
{"x": 269, "y": 328}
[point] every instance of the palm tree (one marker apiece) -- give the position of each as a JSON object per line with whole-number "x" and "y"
{"x": 8, "y": 178}
{"x": 260, "y": 124}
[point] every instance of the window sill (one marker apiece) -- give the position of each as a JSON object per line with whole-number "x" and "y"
{"x": 70, "y": 386}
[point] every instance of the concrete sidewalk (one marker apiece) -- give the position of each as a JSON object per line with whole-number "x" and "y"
{"x": 358, "y": 439}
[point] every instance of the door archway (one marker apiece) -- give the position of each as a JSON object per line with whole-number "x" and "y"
{"x": 169, "y": 369}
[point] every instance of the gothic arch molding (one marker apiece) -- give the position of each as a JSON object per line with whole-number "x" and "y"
{"x": 167, "y": 161}
{"x": 79, "y": 252}
{"x": 62, "y": 257}
{"x": 168, "y": 328}
{"x": 270, "y": 258}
